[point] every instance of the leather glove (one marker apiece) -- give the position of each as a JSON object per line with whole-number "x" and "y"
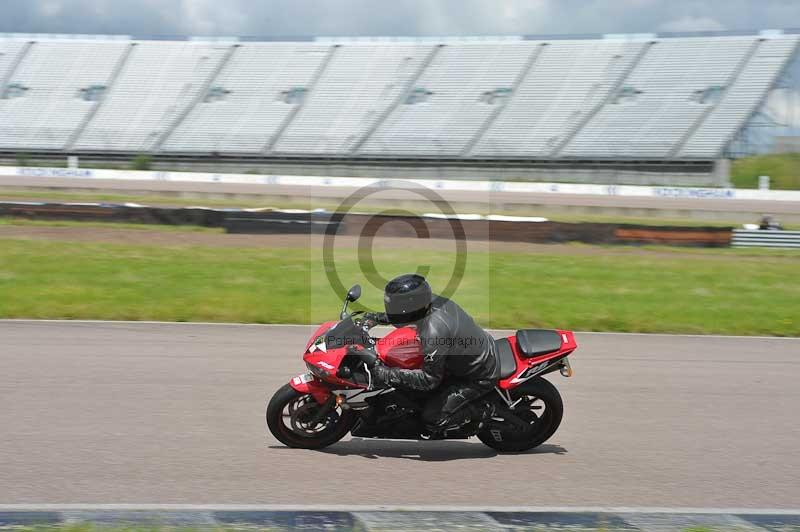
{"x": 380, "y": 376}
{"x": 368, "y": 356}
{"x": 371, "y": 319}
{"x": 377, "y": 371}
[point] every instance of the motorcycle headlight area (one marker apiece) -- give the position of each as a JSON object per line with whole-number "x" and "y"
{"x": 317, "y": 371}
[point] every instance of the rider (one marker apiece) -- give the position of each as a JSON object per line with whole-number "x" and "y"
{"x": 455, "y": 348}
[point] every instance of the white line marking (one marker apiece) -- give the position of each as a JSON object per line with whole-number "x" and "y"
{"x": 274, "y": 325}
{"x": 391, "y": 507}
{"x": 671, "y": 335}
{"x": 411, "y": 520}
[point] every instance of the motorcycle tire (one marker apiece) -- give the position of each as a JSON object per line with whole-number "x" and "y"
{"x": 543, "y": 428}
{"x": 286, "y": 396}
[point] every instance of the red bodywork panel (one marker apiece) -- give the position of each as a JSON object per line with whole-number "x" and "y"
{"x": 327, "y": 360}
{"x": 319, "y": 389}
{"x": 568, "y": 344}
{"x": 402, "y": 349}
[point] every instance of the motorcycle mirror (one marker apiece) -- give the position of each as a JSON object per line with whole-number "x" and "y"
{"x": 354, "y": 293}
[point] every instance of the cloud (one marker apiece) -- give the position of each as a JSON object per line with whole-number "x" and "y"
{"x": 50, "y": 9}
{"x": 689, "y": 23}
{"x": 276, "y": 18}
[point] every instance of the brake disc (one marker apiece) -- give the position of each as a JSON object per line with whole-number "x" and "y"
{"x": 302, "y": 416}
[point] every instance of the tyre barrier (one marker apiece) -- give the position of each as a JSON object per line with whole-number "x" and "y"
{"x": 252, "y": 221}
{"x": 111, "y": 212}
{"x": 277, "y": 222}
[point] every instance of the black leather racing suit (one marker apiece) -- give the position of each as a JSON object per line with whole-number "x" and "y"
{"x": 456, "y": 351}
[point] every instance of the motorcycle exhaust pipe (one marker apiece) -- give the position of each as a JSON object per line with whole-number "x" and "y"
{"x": 566, "y": 368}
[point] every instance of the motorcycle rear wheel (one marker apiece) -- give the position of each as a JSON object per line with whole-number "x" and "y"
{"x": 290, "y": 418}
{"x": 542, "y": 405}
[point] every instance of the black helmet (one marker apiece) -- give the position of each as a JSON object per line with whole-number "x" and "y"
{"x": 407, "y": 298}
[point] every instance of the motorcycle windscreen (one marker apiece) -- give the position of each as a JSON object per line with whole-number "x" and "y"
{"x": 343, "y": 334}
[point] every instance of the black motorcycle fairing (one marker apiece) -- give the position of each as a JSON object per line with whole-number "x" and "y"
{"x": 397, "y": 415}
{"x": 392, "y": 415}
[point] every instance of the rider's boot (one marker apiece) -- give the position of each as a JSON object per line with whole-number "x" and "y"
{"x": 478, "y": 410}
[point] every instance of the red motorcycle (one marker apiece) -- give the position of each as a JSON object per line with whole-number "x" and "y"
{"x": 318, "y": 408}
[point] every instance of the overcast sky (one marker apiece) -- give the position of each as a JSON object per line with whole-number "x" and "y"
{"x": 390, "y": 17}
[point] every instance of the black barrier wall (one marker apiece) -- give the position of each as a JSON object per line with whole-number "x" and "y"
{"x": 318, "y": 222}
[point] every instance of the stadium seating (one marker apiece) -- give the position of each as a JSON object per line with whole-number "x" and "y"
{"x": 662, "y": 104}
{"x": 59, "y": 83}
{"x": 564, "y": 84}
{"x": 257, "y": 81}
{"x": 617, "y": 97}
{"x": 9, "y": 51}
{"x": 740, "y": 100}
{"x": 457, "y": 89}
{"x": 359, "y": 84}
{"x": 158, "y": 82}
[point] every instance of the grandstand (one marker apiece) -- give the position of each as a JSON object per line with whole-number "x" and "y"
{"x": 639, "y": 101}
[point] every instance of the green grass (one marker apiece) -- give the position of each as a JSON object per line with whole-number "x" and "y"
{"x": 624, "y": 289}
{"x": 783, "y": 170}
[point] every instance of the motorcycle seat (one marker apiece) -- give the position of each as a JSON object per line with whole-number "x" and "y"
{"x": 538, "y": 342}
{"x": 505, "y": 355}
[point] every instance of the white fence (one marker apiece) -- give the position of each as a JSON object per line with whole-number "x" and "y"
{"x": 444, "y": 184}
{"x": 765, "y": 239}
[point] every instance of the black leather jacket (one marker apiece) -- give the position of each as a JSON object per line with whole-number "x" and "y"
{"x": 454, "y": 347}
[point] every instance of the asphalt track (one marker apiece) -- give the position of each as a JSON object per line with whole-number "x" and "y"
{"x": 97, "y": 412}
{"x": 635, "y": 205}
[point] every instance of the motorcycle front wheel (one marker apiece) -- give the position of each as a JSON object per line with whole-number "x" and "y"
{"x": 540, "y": 407}
{"x": 298, "y": 420}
